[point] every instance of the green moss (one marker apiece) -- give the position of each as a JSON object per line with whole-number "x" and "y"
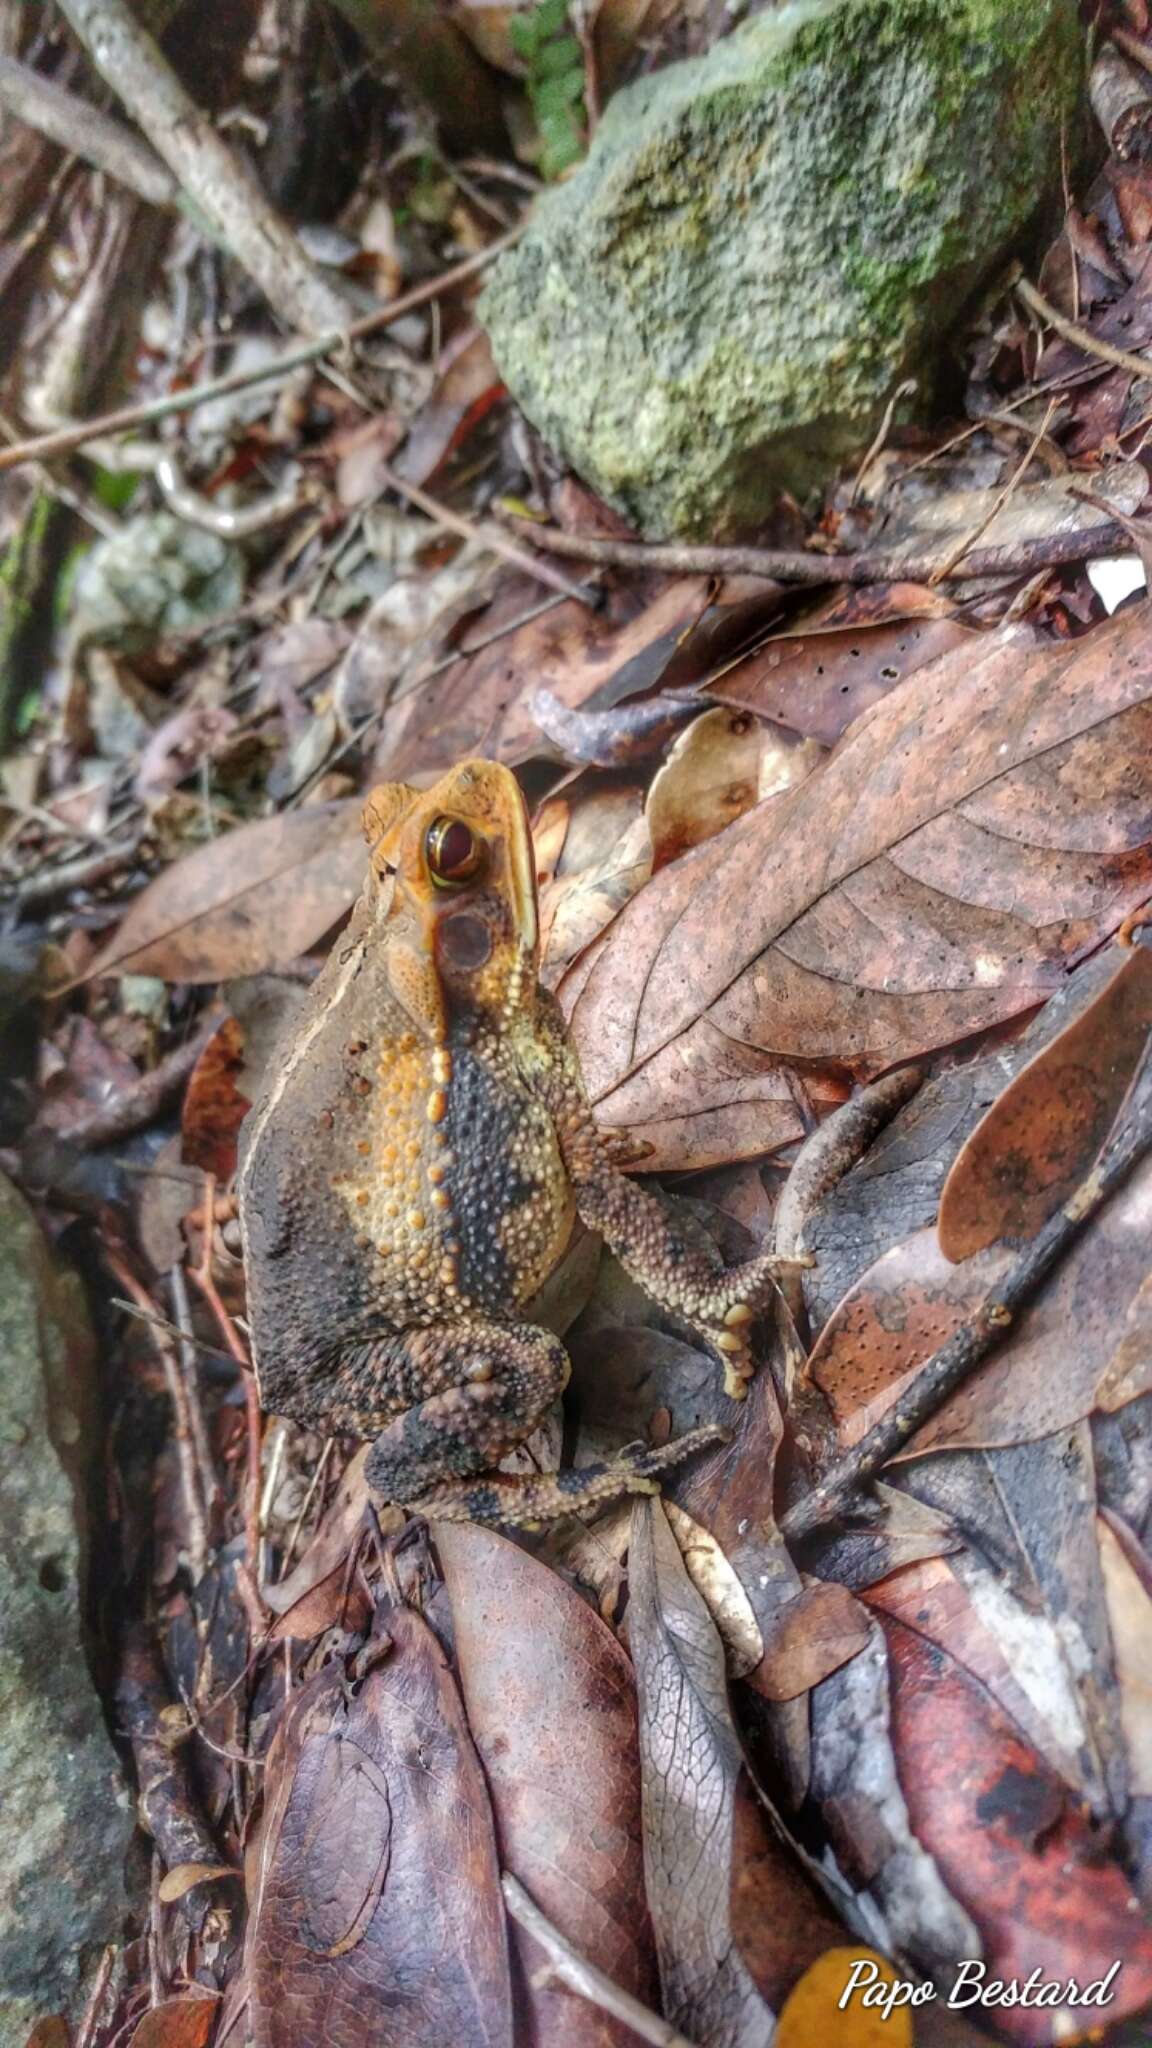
{"x": 762, "y": 241}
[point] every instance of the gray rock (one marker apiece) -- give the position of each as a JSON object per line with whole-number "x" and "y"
{"x": 65, "y": 1812}
{"x": 157, "y": 576}
{"x": 764, "y": 240}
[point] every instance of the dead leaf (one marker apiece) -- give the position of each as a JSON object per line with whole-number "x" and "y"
{"x": 971, "y": 834}
{"x": 816, "y": 2010}
{"x": 213, "y": 1108}
{"x": 813, "y": 1635}
{"x": 1130, "y": 1623}
{"x": 552, "y": 1708}
{"x": 376, "y": 1911}
{"x": 725, "y": 762}
{"x": 184, "y": 1876}
{"x": 51, "y": 2032}
{"x": 253, "y": 899}
{"x": 691, "y": 1765}
{"x": 178, "y": 747}
{"x": 1041, "y": 1379}
{"x": 822, "y": 671}
{"x": 1015, "y": 1847}
{"x": 178, "y": 2023}
{"x": 1040, "y": 1136}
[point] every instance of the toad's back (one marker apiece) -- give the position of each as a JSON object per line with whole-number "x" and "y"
{"x": 389, "y": 1182}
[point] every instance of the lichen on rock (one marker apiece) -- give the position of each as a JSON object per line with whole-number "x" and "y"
{"x": 765, "y": 240}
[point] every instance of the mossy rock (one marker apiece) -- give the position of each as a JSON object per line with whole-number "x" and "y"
{"x": 764, "y": 241}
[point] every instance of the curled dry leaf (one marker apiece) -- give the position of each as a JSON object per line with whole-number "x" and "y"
{"x": 252, "y": 900}
{"x": 971, "y": 834}
{"x": 726, "y": 762}
{"x": 376, "y": 1911}
{"x": 1130, "y": 1623}
{"x": 183, "y": 1878}
{"x": 1016, "y": 1848}
{"x": 552, "y": 1708}
{"x": 1039, "y": 1138}
{"x": 691, "y": 1767}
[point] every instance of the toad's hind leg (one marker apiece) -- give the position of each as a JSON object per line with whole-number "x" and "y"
{"x": 495, "y": 1382}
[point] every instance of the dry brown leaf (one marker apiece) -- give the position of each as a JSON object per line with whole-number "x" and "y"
{"x": 376, "y": 1911}
{"x": 971, "y": 835}
{"x": 813, "y": 1635}
{"x": 1042, "y": 1378}
{"x": 178, "y": 2023}
{"x": 825, "y": 669}
{"x": 253, "y": 899}
{"x": 1130, "y": 1623}
{"x": 552, "y": 1708}
{"x": 1040, "y": 1136}
{"x": 184, "y": 1876}
{"x": 724, "y": 763}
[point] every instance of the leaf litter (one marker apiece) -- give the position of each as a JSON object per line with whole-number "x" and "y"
{"x": 786, "y": 846}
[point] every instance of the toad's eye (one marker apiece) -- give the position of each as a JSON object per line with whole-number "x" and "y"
{"x": 453, "y": 850}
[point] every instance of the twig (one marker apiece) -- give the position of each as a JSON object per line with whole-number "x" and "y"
{"x": 247, "y": 1576}
{"x": 63, "y": 440}
{"x": 82, "y": 873}
{"x": 138, "y": 1104}
{"x": 577, "y": 1974}
{"x": 999, "y": 501}
{"x": 195, "y": 1513}
{"x": 81, "y": 128}
{"x": 778, "y": 565}
{"x": 1071, "y": 331}
{"x": 216, "y": 182}
{"x": 488, "y": 536}
{"x": 968, "y": 1346}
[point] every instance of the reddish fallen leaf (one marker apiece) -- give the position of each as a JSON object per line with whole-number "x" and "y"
{"x": 1014, "y": 1847}
{"x": 1042, "y": 1378}
{"x": 51, "y": 2032}
{"x": 466, "y": 389}
{"x": 178, "y": 2023}
{"x": 1040, "y": 1136}
{"x": 552, "y": 1709}
{"x": 968, "y": 838}
{"x": 376, "y": 1912}
{"x": 826, "y": 669}
{"x": 214, "y": 1107}
{"x": 253, "y": 899}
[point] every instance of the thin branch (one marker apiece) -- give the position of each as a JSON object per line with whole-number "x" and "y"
{"x": 63, "y": 440}
{"x": 779, "y": 565}
{"x": 195, "y": 1506}
{"x": 215, "y": 181}
{"x": 81, "y": 128}
{"x": 952, "y": 1364}
{"x": 1070, "y": 330}
{"x": 965, "y": 546}
{"x": 488, "y": 535}
{"x": 577, "y": 1974}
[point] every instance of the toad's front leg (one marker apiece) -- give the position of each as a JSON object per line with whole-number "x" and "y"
{"x": 659, "y": 1242}
{"x": 493, "y": 1383}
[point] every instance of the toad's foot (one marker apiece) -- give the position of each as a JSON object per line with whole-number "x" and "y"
{"x": 527, "y": 1500}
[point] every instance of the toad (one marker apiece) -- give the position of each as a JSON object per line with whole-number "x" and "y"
{"x": 410, "y": 1175}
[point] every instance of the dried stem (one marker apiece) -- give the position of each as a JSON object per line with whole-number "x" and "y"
{"x": 216, "y": 183}
{"x": 577, "y": 1974}
{"x": 190, "y": 1478}
{"x": 951, "y": 1365}
{"x": 1070, "y": 330}
{"x": 779, "y": 565}
{"x": 81, "y": 128}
